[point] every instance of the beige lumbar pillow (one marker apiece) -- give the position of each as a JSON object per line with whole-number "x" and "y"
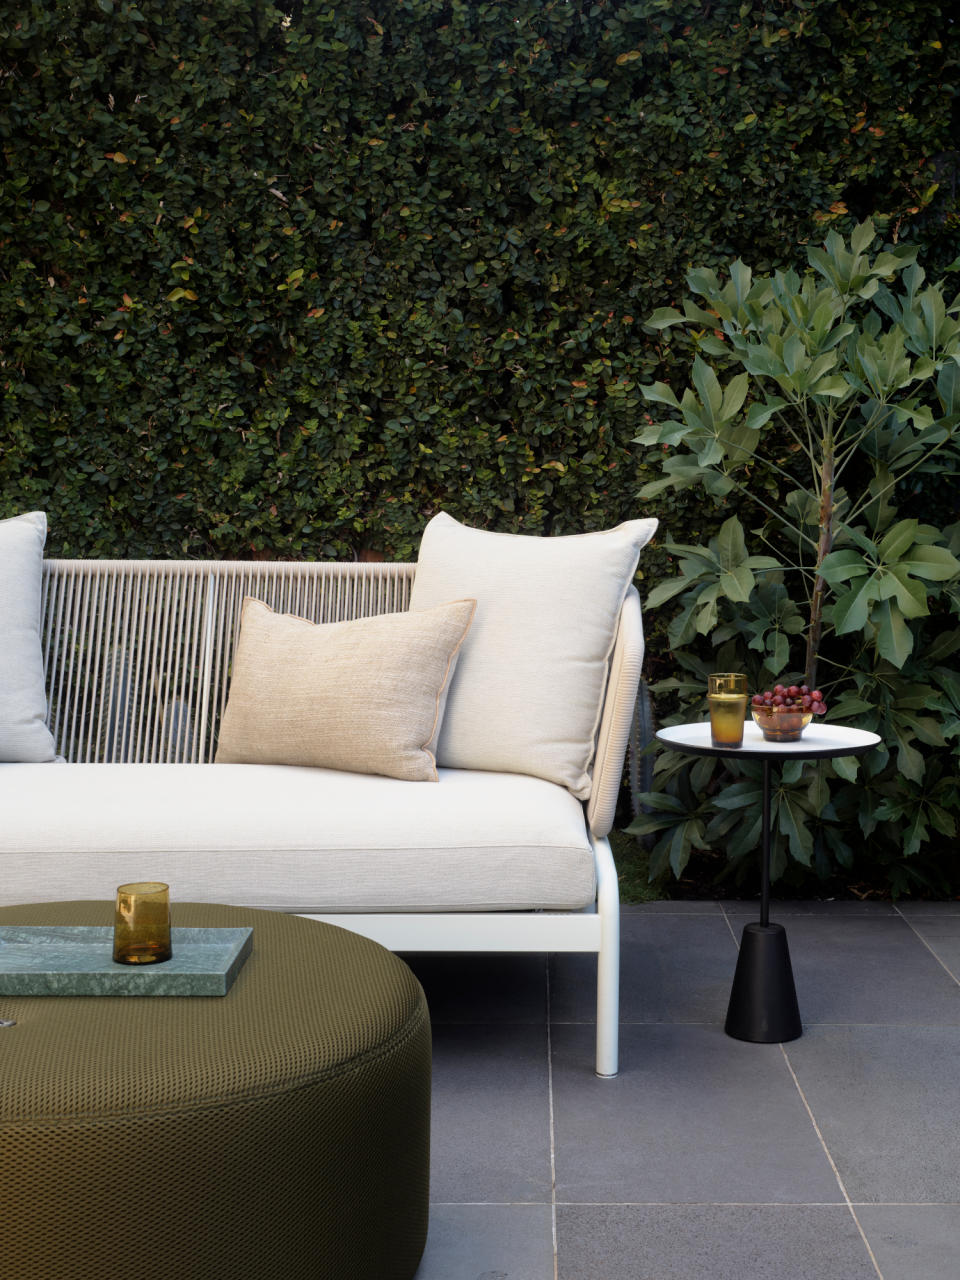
{"x": 527, "y": 693}
{"x": 367, "y": 696}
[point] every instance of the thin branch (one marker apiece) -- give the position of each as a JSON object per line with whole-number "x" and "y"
{"x": 755, "y": 459}
{"x": 770, "y": 543}
{"x": 777, "y": 515}
{"x": 901, "y": 475}
{"x": 852, "y": 444}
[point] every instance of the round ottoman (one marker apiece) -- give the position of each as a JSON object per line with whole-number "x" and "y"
{"x": 279, "y": 1132}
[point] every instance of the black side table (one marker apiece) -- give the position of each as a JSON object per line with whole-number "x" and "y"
{"x": 763, "y": 1001}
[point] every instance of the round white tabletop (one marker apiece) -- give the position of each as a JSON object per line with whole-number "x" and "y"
{"x": 817, "y": 740}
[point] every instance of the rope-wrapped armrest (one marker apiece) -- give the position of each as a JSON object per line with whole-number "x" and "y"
{"x": 618, "y": 706}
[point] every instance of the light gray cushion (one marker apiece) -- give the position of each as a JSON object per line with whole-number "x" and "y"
{"x": 292, "y": 839}
{"x": 23, "y": 703}
{"x": 527, "y": 693}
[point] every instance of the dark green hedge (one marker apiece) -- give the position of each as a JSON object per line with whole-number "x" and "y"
{"x": 287, "y": 285}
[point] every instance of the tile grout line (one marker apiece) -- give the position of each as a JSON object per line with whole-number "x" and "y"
{"x": 816, "y": 1129}
{"x": 697, "y": 1204}
{"x": 919, "y": 935}
{"x": 553, "y": 1144}
{"x": 728, "y": 923}
{"x": 833, "y": 1166}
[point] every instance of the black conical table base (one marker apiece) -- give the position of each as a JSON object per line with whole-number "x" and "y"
{"x": 763, "y": 1003}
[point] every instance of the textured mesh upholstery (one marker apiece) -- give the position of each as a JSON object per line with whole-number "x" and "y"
{"x": 279, "y": 1131}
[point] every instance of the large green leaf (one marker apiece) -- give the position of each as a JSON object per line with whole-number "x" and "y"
{"x": 703, "y": 281}
{"x": 760, "y": 413}
{"x": 734, "y": 395}
{"x": 936, "y": 564}
{"x": 708, "y": 389}
{"x": 862, "y": 236}
{"x": 793, "y": 821}
{"x": 665, "y": 591}
{"x": 741, "y": 277}
{"x": 852, "y": 609}
{"x": 833, "y": 385}
{"x": 897, "y": 540}
{"x": 847, "y": 767}
{"x": 948, "y": 387}
{"x": 664, "y": 317}
{"x": 738, "y": 795}
{"x": 660, "y": 393}
{"x": 894, "y": 637}
{"x": 737, "y": 584}
{"x": 841, "y": 566}
{"x": 731, "y": 544}
{"x": 910, "y": 595}
{"x": 778, "y": 647}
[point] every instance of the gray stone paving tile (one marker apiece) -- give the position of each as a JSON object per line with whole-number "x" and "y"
{"x": 868, "y": 971}
{"x": 484, "y": 987}
{"x": 710, "y": 1242}
{"x": 694, "y": 1115}
{"x": 869, "y": 908}
{"x": 488, "y": 1242}
{"x": 927, "y": 909}
{"x": 885, "y": 1100}
{"x": 673, "y": 968}
{"x": 679, "y": 907}
{"x": 913, "y": 1242}
{"x": 490, "y": 1137}
{"x": 940, "y": 930}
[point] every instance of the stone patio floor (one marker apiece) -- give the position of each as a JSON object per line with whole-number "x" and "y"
{"x": 833, "y": 1157}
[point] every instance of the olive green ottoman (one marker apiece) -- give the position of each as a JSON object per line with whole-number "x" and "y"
{"x": 279, "y": 1132}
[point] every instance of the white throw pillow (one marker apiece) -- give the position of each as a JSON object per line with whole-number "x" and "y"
{"x": 24, "y": 735}
{"x": 527, "y": 692}
{"x": 366, "y": 696}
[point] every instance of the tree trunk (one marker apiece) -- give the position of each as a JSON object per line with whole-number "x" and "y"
{"x": 825, "y": 542}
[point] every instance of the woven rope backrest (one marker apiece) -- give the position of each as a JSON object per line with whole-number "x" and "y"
{"x": 137, "y": 652}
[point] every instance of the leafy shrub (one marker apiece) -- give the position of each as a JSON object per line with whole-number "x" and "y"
{"x": 846, "y": 387}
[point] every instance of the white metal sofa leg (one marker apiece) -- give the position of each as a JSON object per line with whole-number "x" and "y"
{"x": 608, "y": 960}
{"x": 595, "y": 930}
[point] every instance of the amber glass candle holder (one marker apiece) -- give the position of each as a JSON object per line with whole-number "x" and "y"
{"x": 141, "y": 927}
{"x": 727, "y": 699}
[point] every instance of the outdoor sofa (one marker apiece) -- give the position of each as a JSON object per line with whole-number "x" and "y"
{"x": 437, "y": 766}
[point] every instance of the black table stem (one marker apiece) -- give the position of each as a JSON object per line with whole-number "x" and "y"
{"x": 765, "y": 859}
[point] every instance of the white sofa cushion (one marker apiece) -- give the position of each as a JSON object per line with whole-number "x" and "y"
{"x": 527, "y": 693}
{"x": 365, "y": 695}
{"x": 292, "y": 839}
{"x": 23, "y": 703}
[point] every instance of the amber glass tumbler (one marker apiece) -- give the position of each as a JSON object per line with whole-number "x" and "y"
{"x": 141, "y": 927}
{"x": 727, "y": 697}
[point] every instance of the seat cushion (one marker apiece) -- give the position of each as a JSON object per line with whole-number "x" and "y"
{"x": 290, "y": 838}
{"x": 23, "y": 703}
{"x": 527, "y": 693}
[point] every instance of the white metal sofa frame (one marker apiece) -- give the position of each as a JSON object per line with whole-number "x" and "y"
{"x": 137, "y": 656}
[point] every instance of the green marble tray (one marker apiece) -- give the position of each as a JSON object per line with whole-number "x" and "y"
{"x": 78, "y": 961}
